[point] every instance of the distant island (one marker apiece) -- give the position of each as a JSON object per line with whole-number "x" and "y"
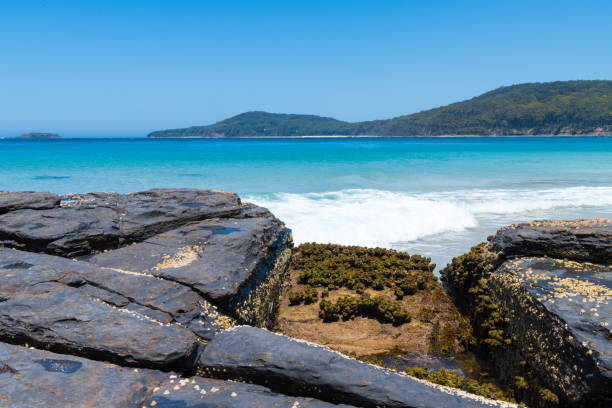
{"x": 581, "y": 108}
{"x": 39, "y": 135}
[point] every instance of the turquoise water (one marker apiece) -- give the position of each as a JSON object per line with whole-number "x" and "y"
{"x": 433, "y": 196}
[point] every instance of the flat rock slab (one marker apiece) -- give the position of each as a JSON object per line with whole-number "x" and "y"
{"x": 21, "y": 200}
{"x": 199, "y": 392}
{"x": 222, "y": 258}
{"x": 560, "y": 314}
{"x": 159, "y": 299}
{"x": 587, "y": 240}
{"x": 146, "y": 213}
{"x": 40, "y": 311}
{"x": 299, "y": 368}
{"x": 90, "y": 222}
{"x": 35, "y": 378}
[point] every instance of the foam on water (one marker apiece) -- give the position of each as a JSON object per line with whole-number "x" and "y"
{"x": 384, "y": 218}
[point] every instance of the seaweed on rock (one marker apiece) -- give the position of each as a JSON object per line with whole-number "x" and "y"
{"x": 358, "y": 268}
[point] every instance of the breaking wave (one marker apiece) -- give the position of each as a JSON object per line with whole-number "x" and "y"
{"x": 381, "y": 218}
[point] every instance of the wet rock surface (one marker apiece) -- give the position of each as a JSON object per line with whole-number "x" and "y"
{"x": 561, "y": 313}
{"x": 20, "y": 200}
{"x": 53, "y": 315}
{"x": 222, "y": 258}
{"x": 151, "y": 281}
{"x": 299, "y": 368}
{"x": 162, "y": 300}
{"x": 546, "y": 320}
{"x": 83, "y": 223}
{"x": 580, "y": 240}
{"x": 158, "y": 300}
{"x": 37, "y": 378}
{"x": 199, "y": 392}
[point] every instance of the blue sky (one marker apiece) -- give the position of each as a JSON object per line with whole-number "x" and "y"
{"x": 124, "y": 68}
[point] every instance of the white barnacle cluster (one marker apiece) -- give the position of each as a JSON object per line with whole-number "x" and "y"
{"x": 589, "y": 295}
{"x": 182, "y": 257}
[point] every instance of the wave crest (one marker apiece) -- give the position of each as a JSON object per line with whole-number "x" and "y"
{"x": 381, "y": 218}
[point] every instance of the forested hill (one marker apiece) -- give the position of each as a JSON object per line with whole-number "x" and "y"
{"x": 552, "y": 108}
{"x": 264, "y": 124}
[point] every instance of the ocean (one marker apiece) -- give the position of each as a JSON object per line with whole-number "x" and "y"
{"x": 432, "y": 196}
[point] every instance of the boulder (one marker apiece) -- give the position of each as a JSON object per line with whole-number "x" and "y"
{"x": 299, "y": 368}
{"x": 146, "y": 213}
{"x": 20, "y": 200}
{"x": 36, "y": 378}
{"x": 76, "y": 227}
{"x": 40, "y": 311}
{"x": 199, "y": 392}
{"x": 560, "y": 318}
{"x": 541, "y": 309}
{"x": 587, "y": 240}
{"x": 90, "y": 222}
{"x": 230, "y": 261}
{"x": 159, "y": 299}
{"x": 231, "y": 254}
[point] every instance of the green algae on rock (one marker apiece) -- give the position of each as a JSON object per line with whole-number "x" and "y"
{"x": 544, "y": 322}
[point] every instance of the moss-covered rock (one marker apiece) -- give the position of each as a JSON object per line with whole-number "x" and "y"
{"x": 545, "y": 323}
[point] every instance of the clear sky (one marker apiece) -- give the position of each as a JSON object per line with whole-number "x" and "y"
{"x": 124, "y": 68}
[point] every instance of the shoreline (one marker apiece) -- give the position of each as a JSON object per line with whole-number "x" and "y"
{"x": 318, "y": 137}
{"x": 380, "y": 137}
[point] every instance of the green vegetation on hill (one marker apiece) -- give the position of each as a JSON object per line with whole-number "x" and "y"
{"x": 263, "y": 124}
{"x": 571, "y": 107}
{"x": 550, "y": 108}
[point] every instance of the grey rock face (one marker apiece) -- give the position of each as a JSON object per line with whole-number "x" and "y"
{"x": 162, "y": 300}
{"x": 35, "y": 378}
{"x": 192, "y": 247}
{"x": 146, "y": 213}
{"x": 546, "y": 319}
{"x": 224, "y": 259}
{"x": 298, "y": 368}
{"x": 96, "y": 221}
{"x": 208, "y": 393}
{"x": 579, "y": 240}
{"x": 76, "y": 227}
{"x": 560, "y": 313}
{"x": 49, "y": 314}
{"x": 20, "y": 200}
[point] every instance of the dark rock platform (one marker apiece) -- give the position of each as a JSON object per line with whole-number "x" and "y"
{"x": 579, "y": 240}
{"x": 300, "y": 368}
{"x": 162, "y": 300}
{"x": 83, "y": 223}
{"x": 158, "y": 272}
{"x": 36, "y": 378}
{"x": 224, "y": 259}
{"x": 21, "y": 200}
{"x": 110, "y": 300}
{"x": 540, "y": 297}
{"x": 197, "y": 392}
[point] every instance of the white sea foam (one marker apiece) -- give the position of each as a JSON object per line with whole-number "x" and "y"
{"x": 381, "y": 218}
